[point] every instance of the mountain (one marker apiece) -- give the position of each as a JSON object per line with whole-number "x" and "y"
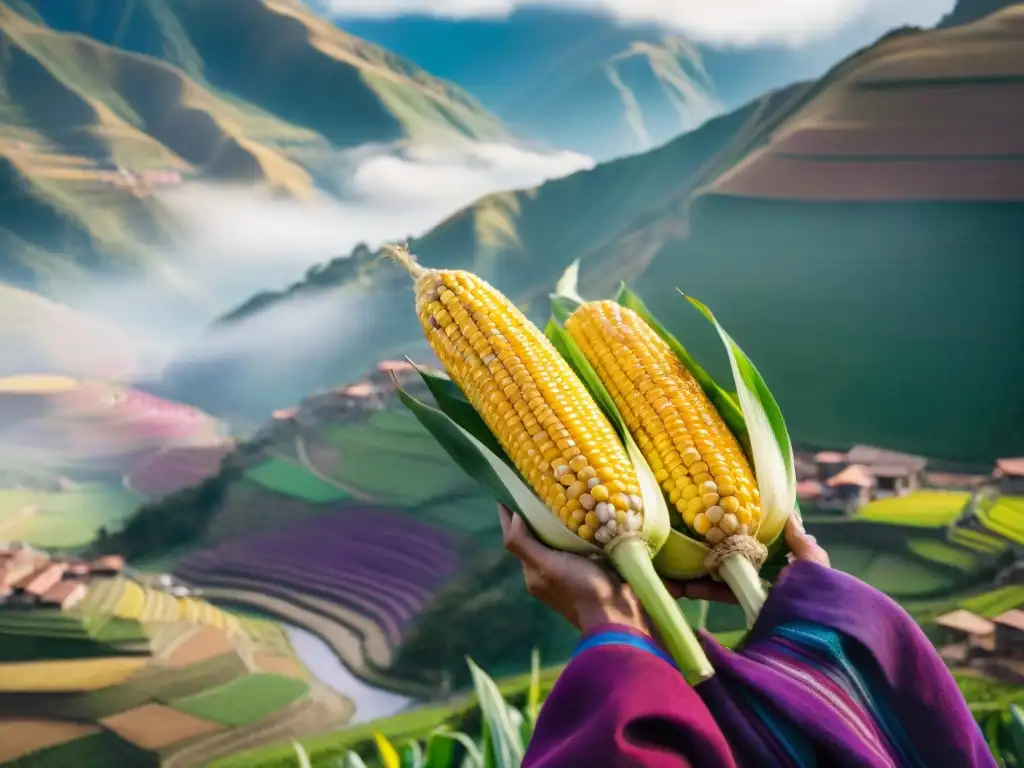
{"x": 827, "y": 224}
{"x": 105, "y": 102}
{"x": 594, "y": 85}
{"x": 966, "y": 11}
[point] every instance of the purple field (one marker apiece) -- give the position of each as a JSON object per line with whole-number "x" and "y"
{"x": 174, "y": 469}
{"x": 381, "y": 564}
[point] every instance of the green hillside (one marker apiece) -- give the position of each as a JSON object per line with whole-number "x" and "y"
{"x": 172, "y": 86}
{"x": 827, "y": 225}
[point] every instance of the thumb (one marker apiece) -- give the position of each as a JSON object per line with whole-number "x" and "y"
{"x": 802, "y": 545}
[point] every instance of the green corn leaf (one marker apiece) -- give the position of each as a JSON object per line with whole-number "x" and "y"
{"x": 411, "y": 755}
{"x": 771, "y": 449}
{"x": 726, "y": 403}
{"x": 386, "y": 750}
{"x": 533, "y": 692}
{"x": 567, "y": 287}
{"x": 452, "y": 749}
{"x": 454, "y": 403}
{"x": 301, "y": 755}
{"x": 352, "y": 760}
{"x": 505, "y": 739}
{"x": 1016, "y": 733}
{"x": 493, "y": 473}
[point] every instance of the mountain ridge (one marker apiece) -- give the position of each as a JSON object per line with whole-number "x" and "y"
{"x": 74, "y": 109}
{"x": 664, "y": 214}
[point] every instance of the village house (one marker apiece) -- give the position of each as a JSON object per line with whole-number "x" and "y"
{"x": 108, "y": 565}
{"x": 808, "y": 491}
{"x": 849, "y": 490}
{"x": 402, "y": 370}
{"x": 1009, "y": 474}
{"x": 1010, "y": 633}
{"x": 862, "y": 474}
{"x": 956, "y": 481}
{"x": 896, "y": 474}
{"x": 967, "y": 635}
{"x": 64, "y": 595}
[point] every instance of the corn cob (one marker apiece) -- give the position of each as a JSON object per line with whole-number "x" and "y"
{"x": 531, "y": 400}
{"x": 696, "y": 459}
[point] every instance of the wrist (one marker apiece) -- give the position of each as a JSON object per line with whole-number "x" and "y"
{"x": 592, "y": 617}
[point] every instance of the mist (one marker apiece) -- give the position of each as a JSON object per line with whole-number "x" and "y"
{"x": 240, "y": 240}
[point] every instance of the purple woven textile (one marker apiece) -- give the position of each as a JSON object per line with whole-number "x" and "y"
{"x": 833, "y": 674}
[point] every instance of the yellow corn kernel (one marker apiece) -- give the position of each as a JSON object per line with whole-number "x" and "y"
{"x": 697, "y": 460}
{"x": 543, "y": 416}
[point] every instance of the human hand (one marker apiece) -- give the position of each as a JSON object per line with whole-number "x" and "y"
{"x": 585, "y": 592}
{"x": 801, "y": 544}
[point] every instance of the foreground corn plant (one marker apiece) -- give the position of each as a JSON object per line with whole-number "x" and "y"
{"x": 725, "y": 463}
{"x": 518, "y": 418}
{"x": 505, "y": 732}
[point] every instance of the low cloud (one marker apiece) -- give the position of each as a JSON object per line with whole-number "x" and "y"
{"x": 242, "y": 240}
{"x": 714, "y": 22}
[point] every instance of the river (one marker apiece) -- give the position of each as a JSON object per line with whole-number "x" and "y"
{"x": 371, "y": 703}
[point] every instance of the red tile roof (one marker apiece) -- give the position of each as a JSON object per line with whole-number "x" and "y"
{"x": 395, "y": 366}
{"x": 1013, "y": 619}
{"x": 43, "y": 579}
{"x": 1011, "y": 467}
{"x": 808, "y": 489}
{"x": 869, "y": 454}
{"x": 283, "y": 414}
{"x": 65, "y": 593}
{"x": 361, "y": 390}
{"x": 830, "y": 457}
{"x": 965, "y": 621}
{"x": 855, "y": 474}
{"x": 954, "y": 479}
{"x": 108, "y": 563}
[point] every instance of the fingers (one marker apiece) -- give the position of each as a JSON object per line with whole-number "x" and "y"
{"x": 518, "y": 539}
{"x": 802, "y": 545}
{"x": 702, "y": 589}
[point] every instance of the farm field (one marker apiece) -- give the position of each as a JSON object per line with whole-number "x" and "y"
{"x": 1005, "y": 517}
{"x": 63, "y": 519}
{"x": 152, "y": 679}
{"x": 924, "y": 508}
{"x": 379, "y": 564}
{"x": 173, "y": 469}
{"x": 289, "y": 478}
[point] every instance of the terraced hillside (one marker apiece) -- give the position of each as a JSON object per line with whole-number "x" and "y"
{"x": 859, "y": 197}
{"x": 341, "y": 516}
{"x": 133, "y": 676}
{"x": 80, "y": 455}
{"x": 170, "y": 86}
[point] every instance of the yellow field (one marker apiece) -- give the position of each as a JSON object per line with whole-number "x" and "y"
{"x": 68, "y": 676}
{"x": 145, "y": 605}
{"x": 928, "y": 509}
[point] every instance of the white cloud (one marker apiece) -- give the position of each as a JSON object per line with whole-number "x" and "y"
{"x": 716, "y": 22}
{"x": 241, "y": 240}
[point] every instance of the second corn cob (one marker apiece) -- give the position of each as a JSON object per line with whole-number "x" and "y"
{"x": 698, "y": 462}
{"x": 695, "y": 457}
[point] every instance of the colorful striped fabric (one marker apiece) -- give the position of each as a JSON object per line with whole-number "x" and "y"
{"x": 814, "y": 658}
{"x": 834, "y": 674}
